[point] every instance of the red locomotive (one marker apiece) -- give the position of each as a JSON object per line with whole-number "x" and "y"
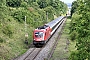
{"x": 42, "y": 34}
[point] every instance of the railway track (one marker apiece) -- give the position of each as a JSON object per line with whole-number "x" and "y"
{"x": 33, "y": 54}
{"x": 30, "y": 54}
{"x": 44, "y": 52}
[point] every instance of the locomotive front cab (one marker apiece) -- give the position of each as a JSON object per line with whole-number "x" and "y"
{"x": 38, "y": 37}
{"x": 41, "y": 35}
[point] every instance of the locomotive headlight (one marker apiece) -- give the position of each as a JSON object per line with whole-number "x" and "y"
{"x": 34, "y": 39}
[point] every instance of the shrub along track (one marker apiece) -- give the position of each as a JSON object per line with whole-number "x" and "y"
{"x": 42, "y": 53}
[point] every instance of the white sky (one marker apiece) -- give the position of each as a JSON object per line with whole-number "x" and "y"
{"x": 67, "y": 1}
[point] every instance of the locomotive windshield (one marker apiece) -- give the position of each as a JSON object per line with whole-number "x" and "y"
{"x": 38, "y": 34}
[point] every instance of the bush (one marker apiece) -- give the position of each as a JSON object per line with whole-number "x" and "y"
{"x": 8, "y": 30}
{"x": 19, "y": 15}
{"x": 24, "y": 4}
{"x": 1, "y": 40}
{"x": 13, "y": 3}
{"x": 74, "y": 56}
{"x": 73, "y": 35}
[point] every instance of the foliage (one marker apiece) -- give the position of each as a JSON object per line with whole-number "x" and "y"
{"x": 57, "y": 5}
{"x": 49, "y": 10}
{"x": 8, "y": 30}
{"x": 2, "y": 2}
{"x": 12, "y": 22}
{"x": 19, "y": 15}
{"x": 42, "y": 3}
{"x": 1, "y": 40}
{"x": 74, "y": 7}
{"x": 13, "y": 3}
{"x": 24, "y": 4}
{"x": 80, "y": 24}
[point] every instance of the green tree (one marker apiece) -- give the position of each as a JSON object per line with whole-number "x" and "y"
{"x": 74, "y": 7}
{"x": 42, "y": 3}
{"x": 13, "y": 3}
{"x": 2, "y": 2}
{"x": 82, "y": 26}
{"x": 59, "y": 6}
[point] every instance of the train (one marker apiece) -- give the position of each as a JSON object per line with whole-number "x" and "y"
{"x": 42, "y": 34}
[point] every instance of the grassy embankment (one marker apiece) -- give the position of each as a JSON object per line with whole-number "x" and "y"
{"x": 64, "y": 46}
{"x": 14, "y": 45}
